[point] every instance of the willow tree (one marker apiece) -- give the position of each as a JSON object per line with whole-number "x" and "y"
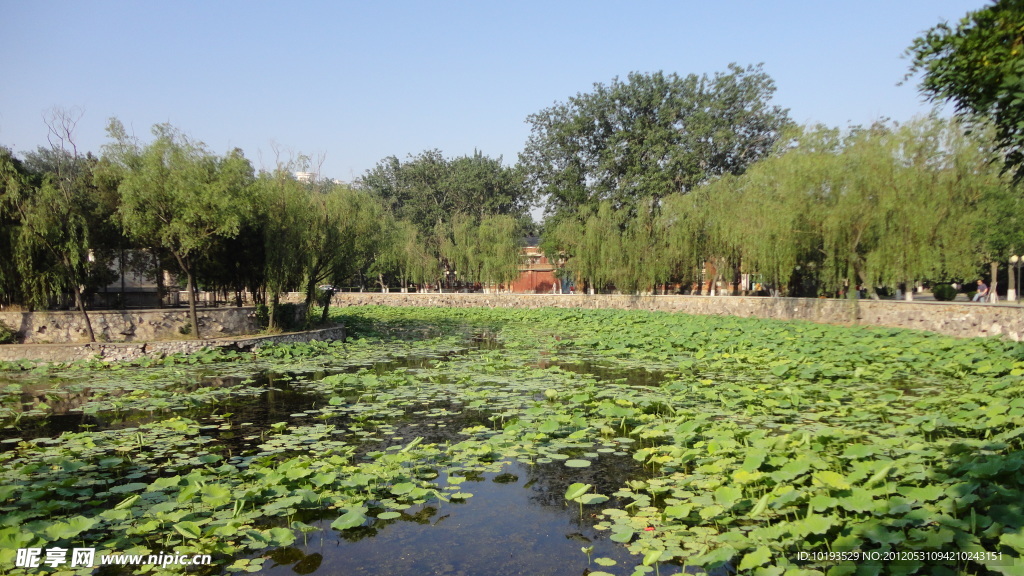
{"x": 598, "y": 252}
{"x": 487, "y": 250}
{"x": 54, "y": 250}
{"x": 177, "y": 195}
{"x": 13, "y": 179}
{"x": 882, "y": 205}
{"x": 685, "y": 222}
{"x": 940, "y": 177}
{"x": 285, "y": 223}
{"x": 773, "y": 222}
{"x": 644, "y": 253}
{"x": 404, "y": 254}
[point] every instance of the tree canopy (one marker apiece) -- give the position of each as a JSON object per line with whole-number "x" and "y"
{"x": 978, "y": 64}
{"x": 428, "y": 189}
{"x": 178, "y": 196}
{"x": 650, "y": 136}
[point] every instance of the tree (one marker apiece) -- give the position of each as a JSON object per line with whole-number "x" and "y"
{"x": 487, "y": 251}
{"x": 403, "y": 253}
{"x": 285, "y": 222}
{"x": 879, "y": 206}
{"x": 177, "y": 195}
{"x": 650, "y": 136}
{"x": 979, "y": 66}
{"x": 13, "y": 180}
{"x": 57, "y": 218}
{"x": 428, "y": 189}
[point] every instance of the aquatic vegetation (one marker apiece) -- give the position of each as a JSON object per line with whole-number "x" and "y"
{"x": 731, "y": 444}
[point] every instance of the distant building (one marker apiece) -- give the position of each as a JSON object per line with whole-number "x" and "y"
{"x": 305, "y": 176}
{"x": 536, "y": 274}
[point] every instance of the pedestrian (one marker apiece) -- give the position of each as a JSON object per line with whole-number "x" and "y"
{"x": 982, "y": 292}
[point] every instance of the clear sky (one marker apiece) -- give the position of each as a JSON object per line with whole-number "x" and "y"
{"x": 359, "y": 81}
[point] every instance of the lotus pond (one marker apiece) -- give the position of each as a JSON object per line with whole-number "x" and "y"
{"x": 489, "y": 442}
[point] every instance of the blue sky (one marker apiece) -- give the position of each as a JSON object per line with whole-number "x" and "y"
{"x": 359, "y": 81}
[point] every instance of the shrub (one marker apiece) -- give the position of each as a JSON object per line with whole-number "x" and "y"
{"x": 288, "y": 317}
{"x": 944, "y": 292}
{"x": 7, "y": 336}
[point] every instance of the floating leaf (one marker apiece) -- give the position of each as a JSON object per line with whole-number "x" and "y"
{"x": 351, "y": 519}
{"x": 756, "y": 558}
{"x": 576, "y": 490}
{"x": 67, "y": 530}
{"x": 189, "y": 530}
{"x": 831, "y": 479}
{"x": 577, "y": 463}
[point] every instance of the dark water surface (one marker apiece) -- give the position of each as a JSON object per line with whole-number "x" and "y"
{"x": 516, "y": 523}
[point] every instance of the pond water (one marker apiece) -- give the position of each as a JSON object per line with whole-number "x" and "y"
{"x": 517, "y": 521}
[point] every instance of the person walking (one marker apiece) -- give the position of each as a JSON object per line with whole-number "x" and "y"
{"x": 982, "y": 292}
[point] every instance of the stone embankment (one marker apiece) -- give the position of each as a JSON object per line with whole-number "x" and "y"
{"x": 114, "y": 351}
{"x": 56, "y": 327}
{"x": 961, "y": 319}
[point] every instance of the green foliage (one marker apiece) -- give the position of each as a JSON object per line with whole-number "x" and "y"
{"x": 178, "y": 196}
{"x": 429, "y": 189}
{"x": 944, "y": 292}
{"x": 487, "y": 251}
{"x": 287, "y": 317}
{"x": 650, "y": 136}
{"x": 7, "y": 335}
{"x": 977, "y": 65}
{"x": 58, "y": 215}
{"x": 757, "y": 440}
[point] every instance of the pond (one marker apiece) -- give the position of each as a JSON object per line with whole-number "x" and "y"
{"x": 525, "y": 442}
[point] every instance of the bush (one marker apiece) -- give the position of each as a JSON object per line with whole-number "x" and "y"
{"x": 7, "y": 336}
{"x": 288, "y": 317}
{"x": 944, "y": 292}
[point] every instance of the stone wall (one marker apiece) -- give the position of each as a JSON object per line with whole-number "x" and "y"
{"x": 954, "y": 319}
{"x": 53, "y": 327}
{"x": 114, "y": 351}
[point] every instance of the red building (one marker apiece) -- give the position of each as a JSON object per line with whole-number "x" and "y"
{"x": 536, "y": 274}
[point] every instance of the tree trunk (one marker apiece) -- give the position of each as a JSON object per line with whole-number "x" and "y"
{"x": 327, "y": 307}
{"x": 160, "y": 289}
{"x": 120, "y": 265}
{"x": 193, "y": 316}
{"x": 275, "y": 299}
{"x": 1011, "y": 287}
{"x": 80, "y": 304}
{"x": 992, "y": 296}
{"x": 190, "y": 288}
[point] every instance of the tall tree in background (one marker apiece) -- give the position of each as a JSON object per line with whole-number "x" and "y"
{"x": 177, "y": 195}
{"x": 979, "y": 65}
{"x": 13, "y": 181}
{"x": 650, "y": 136}
{"x": 55, "y": 217}
{"x": 882, "y": 205}
{"x": 429, "y": 189}
{"x": 487, "y": 250}
{"x": 404, "y": 253}
{"x": 285, "y": 222}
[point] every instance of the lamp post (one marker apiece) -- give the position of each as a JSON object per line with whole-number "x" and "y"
{"x": 1014, "y": 288}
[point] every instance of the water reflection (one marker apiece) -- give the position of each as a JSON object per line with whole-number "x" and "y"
{"x": 516, "y": 523}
